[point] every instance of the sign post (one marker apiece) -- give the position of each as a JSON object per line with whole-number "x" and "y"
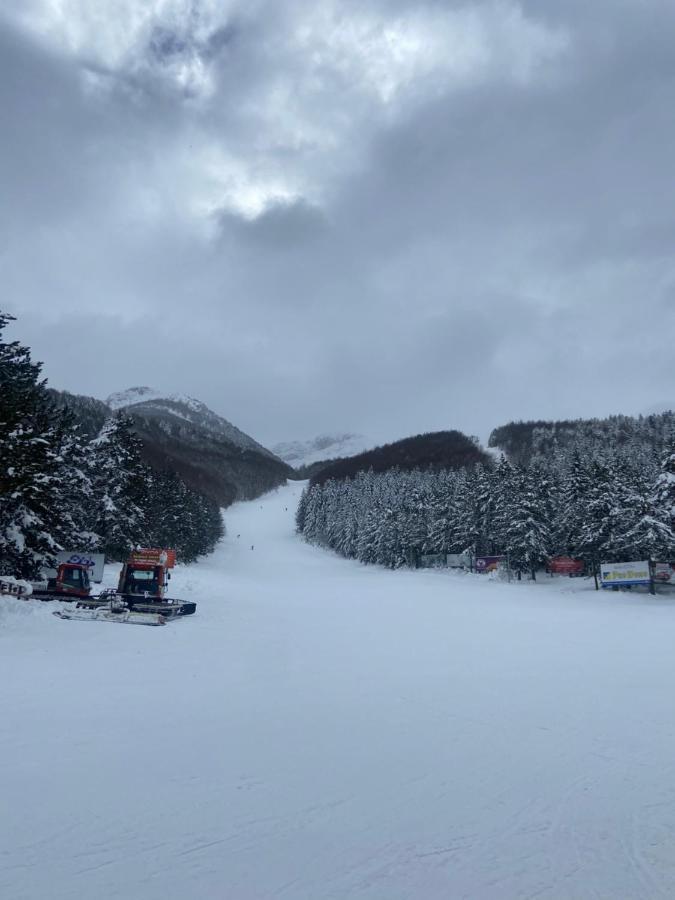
{"x": 616, "y": 575}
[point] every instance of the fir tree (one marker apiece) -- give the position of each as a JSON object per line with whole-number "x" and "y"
{"x": 528, "y": 539}
{"x": 663, "y": 495}
{"x": 35, "y": 508}
{"x": 121, "y": 488}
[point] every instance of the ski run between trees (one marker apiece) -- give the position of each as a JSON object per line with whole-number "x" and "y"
{"x": 323, "y": 730}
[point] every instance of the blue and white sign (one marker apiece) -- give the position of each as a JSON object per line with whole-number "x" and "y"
{"x": 621, "y": 574}
{"x": 93, "y": 561}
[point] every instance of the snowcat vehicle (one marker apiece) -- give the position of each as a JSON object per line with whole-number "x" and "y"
{"x": 72, "y": 582}
{"x": 143, "y": 584}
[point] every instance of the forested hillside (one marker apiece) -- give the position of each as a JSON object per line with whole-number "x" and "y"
{"x": 523, "y": 442}
{"x": 206, "y": 461}
{"x": 88, "y": 413}
{"x": 184, "y": 437}
{"x": 616, "y": 503}
{"x": 63, "y": 487}
{"x": 435, "y": 450}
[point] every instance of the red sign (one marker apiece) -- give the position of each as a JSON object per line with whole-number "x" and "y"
{"x": 565, "y": 565}
{"x": 155, "y": 556}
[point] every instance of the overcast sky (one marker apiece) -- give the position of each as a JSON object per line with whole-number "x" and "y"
{"x": 386, "y": 217}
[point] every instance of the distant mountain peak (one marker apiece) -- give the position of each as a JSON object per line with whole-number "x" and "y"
{"x": 145, "y": 394}
{"x": 151, "y": 403}
{"x": 324, "y": 446}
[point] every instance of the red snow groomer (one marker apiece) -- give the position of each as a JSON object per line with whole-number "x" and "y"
{"x": 72, "y": 582}
{"x": 143, "y": 585}
{"x": 146, "y": 573}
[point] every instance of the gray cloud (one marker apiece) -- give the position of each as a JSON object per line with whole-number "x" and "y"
{"x": 403, "y": 217}
{"x": 282, "y": 225}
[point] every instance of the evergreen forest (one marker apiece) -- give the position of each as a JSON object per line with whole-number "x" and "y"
{"x": 590, "y": 498}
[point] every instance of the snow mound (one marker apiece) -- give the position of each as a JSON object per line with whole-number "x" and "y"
{"x": 13, "y": 611}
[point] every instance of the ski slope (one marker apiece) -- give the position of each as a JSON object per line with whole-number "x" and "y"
{"x": 322, "y": 730}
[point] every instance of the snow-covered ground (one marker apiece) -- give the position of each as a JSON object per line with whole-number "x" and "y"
{"x": 325, "y": 730}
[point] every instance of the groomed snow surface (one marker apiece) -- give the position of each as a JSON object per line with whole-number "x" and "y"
{"x": 322, "y": 729}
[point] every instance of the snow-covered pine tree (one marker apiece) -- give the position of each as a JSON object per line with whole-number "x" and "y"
{"x": 441, "y": 512}
{"x": 370, "y": 527}
{"x": 663, "y": 495}
{"x": 465, "y": 529}
{"x": 485, "y": 509}
{"x": 604, "y": 520}
{"x": 408, "y": 499}
{"x": 34, "y": 439}
{"x": 504, "y": 488}
{"x": 649, "y": 536}
{"x": 529, "y": 529}
{"x": 301, "y": 512}
{"x": 120, "y": 487}
{"x": 312, "y": 526}
{"x": 196, "y": 520}
{"x": 570, "y": 515}
{"x": 72, "y": 498}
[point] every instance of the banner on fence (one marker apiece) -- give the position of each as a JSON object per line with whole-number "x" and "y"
{"x": 565, "y": 565}
{"x": 617, "y": 574}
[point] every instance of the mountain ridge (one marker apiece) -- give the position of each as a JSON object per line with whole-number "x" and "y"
{"x": 182, "y": 435}
{"x": 150, "y": 402}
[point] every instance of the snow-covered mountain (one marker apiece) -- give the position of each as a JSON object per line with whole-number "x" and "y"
{"x": 134, "y": 395}
{"x": 182, "y": 435}
{"x": 325, "y": 446}
{"x": 151, "y": 403}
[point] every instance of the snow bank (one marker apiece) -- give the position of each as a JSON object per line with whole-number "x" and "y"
{"x": 323, "y": 730}
{"x": 13, "y": 609}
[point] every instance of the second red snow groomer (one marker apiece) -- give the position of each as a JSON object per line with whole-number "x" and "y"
{"x": 146, "y": 573}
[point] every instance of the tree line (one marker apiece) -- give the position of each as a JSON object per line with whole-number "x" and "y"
{"x": 593, "y": 502}
{"x": 437, "y": 450}
{"x": 523, "y": 442}
{"x": 60, "y": 489}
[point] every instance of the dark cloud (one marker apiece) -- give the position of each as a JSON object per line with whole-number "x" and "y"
{"x": 282, "y": 225}
{"x": 406, "y": 217}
